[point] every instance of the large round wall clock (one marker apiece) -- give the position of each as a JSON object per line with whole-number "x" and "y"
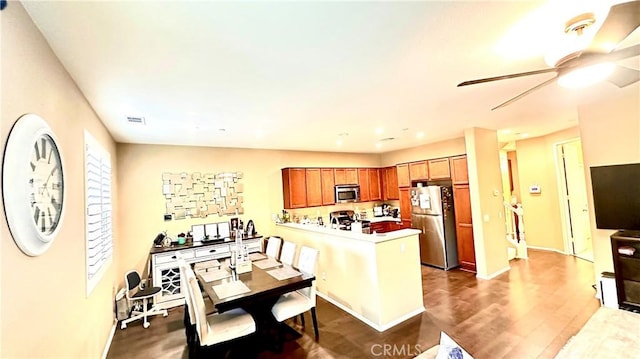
{"x": 33, "y": 185}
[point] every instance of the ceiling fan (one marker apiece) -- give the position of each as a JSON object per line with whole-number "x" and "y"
{"x": 598, "y": 56}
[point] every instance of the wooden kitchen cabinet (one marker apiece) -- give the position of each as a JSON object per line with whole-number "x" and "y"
{"x": 459, "y": 170}
{"x": 313, "y": 181}
{"x": 403, "y": 175}
{"x": 346, "y": 176}
{"x": 405, "y": 205}
{"x": 439, "y": 168}
{"x": 375, "y": 193}
{"x": 418, "y": 171}
{"x": 328, "y": 183}
{"x": 363, "y": 181}
{"x": 464, "y": 227}
{"x": 294, "y": 187}
{"x": 389, "y": 177}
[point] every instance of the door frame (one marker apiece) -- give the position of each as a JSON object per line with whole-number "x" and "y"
{"x": 562, "y": 194}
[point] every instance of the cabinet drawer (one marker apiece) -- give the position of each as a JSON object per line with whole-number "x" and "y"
{"x": 254, "y": 246}
{"x": 171, "y": 256}
{"x": 219, "y": 250}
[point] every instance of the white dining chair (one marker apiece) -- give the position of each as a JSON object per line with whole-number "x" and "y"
{"x": 300, "y": 301}
{"x": 217, "y": 328}
{"x": 273, "y": 247}
{"x": 288, "y": 252}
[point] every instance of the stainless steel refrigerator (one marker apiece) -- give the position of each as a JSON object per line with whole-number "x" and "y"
{"x": 432, "y": 212}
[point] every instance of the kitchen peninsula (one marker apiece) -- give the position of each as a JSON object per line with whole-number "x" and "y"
{"x": 374, "y": 277}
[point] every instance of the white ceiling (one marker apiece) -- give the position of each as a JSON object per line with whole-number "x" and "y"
{"x": 297, "y": 75}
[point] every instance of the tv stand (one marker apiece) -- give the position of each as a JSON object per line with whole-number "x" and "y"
{"x": 625, "y": 247}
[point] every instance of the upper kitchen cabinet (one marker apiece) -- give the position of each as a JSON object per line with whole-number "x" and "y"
{"x": 294, "y": 187}
{"x": 439, "y": 168}
{"x": 346, "y": 176}
{"x": 375, "y": 194}
{"x": 418, "y": 171}
{"x": 459, "y": 171}
{"x": 389, "y": 177}
{"x": 313, "y": 182}
{"x": 328, "y": 184}
{"x": 403, "y": 175}
{"x": 363, "y": 181}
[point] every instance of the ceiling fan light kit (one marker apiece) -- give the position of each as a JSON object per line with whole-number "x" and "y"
{"x": 585, "y": 76}
{"x": 584, "y": 59}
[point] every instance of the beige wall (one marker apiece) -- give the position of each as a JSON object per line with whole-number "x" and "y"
{"x": 140, "y": 187}
{"x": 487, "y": 209}
{"x": 610, "y": 134}
{"x": 45, "y": 311}
{"x": 536, "y": 166}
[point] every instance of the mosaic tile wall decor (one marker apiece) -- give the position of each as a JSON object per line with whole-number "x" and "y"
{"x": 199, "y": 195}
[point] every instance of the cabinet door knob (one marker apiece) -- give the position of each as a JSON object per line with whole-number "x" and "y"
{"x": 212, "y": 251}
{"x": 174, "y": 257}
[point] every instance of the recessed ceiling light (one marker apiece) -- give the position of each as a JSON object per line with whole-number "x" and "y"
{"x": 505, "y": 131}
{"x": 420, "y": 134}
{"x": 339, "y": 142}
{"x": 378, "y": 144}
{"x": 379, "y": 130}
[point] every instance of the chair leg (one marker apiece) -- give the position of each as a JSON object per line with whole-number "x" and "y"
{"x": 145, "y": 323}
{"x": 302, "y": 319}
{"x": 315, "y": 322}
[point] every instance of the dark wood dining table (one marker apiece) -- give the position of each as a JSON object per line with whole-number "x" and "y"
{"x": 264, "y": 292}
{"x": 264, "y": 288}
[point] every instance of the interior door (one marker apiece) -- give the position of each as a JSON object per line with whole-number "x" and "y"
{"x": 577, "y": 200}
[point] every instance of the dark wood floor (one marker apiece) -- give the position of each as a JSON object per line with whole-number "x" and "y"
{"x": 529, "y": 312}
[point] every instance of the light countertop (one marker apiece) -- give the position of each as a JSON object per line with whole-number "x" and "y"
{"x": 372, "y": 238}
{"x": 383, "y": 219}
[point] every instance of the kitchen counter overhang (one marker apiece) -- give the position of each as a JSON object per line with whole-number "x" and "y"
{"x": 376, "y": 278}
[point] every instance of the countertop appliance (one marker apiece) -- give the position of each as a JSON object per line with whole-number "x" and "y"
{"x": 345, "y": 193}
{"x": 432, "y": 212}
{"x": 343, "y": 219}
{"x": 377, "y": 211}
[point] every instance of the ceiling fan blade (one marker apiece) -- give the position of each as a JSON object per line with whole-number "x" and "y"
{"x": 525, "y": 93}
{"x": 621, "y": 21}
{"x": 623, "y": 76}
{"x": 589, "y": 58}
{"x": 504, "y": 77}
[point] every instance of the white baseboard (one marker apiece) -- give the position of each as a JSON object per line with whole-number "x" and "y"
{"x": 494, "y": 274}
{"x": 546, "y": 249}
{"x": 108, "y": 344}
{"x": 380, "y": 328}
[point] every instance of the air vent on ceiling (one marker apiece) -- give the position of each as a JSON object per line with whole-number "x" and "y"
{"x": 387, "y": 139}
{"x": 136, "y": 120}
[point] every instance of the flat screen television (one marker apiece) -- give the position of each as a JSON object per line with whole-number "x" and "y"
{"x": 616, "y": 196}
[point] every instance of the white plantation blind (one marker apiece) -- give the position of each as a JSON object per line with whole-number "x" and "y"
{"x": 98, "y": 224}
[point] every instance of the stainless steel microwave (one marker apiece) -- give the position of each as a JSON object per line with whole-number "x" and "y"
{"x": 347, "y": 193}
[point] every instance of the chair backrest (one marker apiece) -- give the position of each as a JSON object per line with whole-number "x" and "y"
{"x": 273, "y": 247}
{"x": 202, "y": 327}
{"x": 185, "y": 273}
{"x": 132, "y": 281}
{"x": 288, "y": 252}
{"x": 307, "y": 263}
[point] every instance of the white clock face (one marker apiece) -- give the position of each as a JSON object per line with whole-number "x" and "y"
{"x": 46, "y": 185}
{"x": 33, "y": 185}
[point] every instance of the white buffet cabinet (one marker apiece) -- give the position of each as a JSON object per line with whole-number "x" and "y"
{"x": 377, "y": 278}
{"x": 165, "y": 271}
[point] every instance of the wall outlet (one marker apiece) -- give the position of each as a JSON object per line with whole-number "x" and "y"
{"x": 402, "y": 248}
{"x": 324, "y": 275}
